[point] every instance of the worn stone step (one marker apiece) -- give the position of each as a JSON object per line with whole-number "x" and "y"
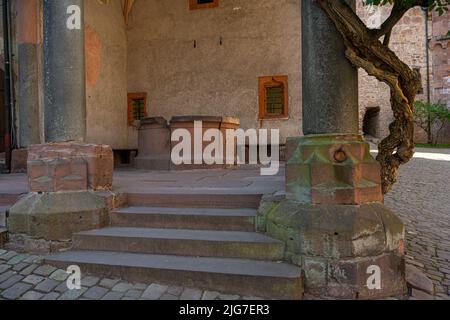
{"x": 202, "y": 243}
{"x": 194, "y": 200}
{"x": 185, "y": 218}
{"x": 243, "y": 277}
{"x": 3, "y": 236}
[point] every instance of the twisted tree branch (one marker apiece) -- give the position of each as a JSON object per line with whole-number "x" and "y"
{"x": 365, "y": 50}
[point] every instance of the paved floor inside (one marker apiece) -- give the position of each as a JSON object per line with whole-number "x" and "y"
{"x": 421, "y": 198}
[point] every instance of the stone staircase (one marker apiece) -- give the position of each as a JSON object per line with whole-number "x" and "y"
{"x": 206, "y": 241}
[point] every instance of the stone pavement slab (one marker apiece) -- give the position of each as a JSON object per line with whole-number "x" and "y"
{"x": 154, "y": 292}
{"x": 95, "y": 293}
{"x": 16, "y": 291}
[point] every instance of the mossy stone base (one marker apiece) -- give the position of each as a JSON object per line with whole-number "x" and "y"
{"x": 57, "y": 216}
{"x": 336, "y": 244}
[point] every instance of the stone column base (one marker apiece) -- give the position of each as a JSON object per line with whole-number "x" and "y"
{"x": 332, "y": 169}
{"x": 337, "y": 246}
{"x": 67, "y": 183}
{"x": 57, "y": 216}
{"x": 70, "y": 166}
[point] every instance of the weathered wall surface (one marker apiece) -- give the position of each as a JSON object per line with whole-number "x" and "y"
{"x": 440, "y": 51}
{"x": 259, "y": 38}
{"x": 408, "y": 41}
{"x": 106, "y": 75}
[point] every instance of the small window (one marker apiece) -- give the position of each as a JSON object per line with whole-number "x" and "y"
{"x": 203, "y": 4}
{"x": 273, "y": 98}
{"x": 137, "y": 107}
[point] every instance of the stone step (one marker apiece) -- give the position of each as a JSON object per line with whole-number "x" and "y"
{"x": 201, "y": 243}
{"x": 3, "y": 236}
{"x": 244, "y": 277}
{"x": 194, "y": 200}
{"x": 185, "y": 218}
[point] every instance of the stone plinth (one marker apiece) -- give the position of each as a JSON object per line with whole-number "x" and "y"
{"x": 333, "y": 220}
{"x": 332, "y": 169}
{"x": 56, "y": 216}
{"x": 208, "y": 122}
{"x": 63, "y": 180}
{"x": 154, "y": 145}
{"x": 336, "y": 244}
{"x": 70, "y": 166}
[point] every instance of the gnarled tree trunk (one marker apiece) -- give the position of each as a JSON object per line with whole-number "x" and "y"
{"x": 365, "y": 50}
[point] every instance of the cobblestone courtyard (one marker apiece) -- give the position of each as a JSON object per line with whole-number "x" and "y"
{"x": 421, "y": 198}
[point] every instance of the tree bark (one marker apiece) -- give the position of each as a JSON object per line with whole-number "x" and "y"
{"x": 365, "y": 50}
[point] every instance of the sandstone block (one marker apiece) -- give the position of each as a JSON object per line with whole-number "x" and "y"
{"x": 57, "y": 216}
{"x": 70, "y": 166}
{"x": 332, "y": 169}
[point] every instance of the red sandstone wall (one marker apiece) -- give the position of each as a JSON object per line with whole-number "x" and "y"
{"x": 408, "y": 41}
{"x": 440, "y": 47}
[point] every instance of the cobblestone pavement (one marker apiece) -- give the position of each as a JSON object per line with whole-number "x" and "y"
{"x": 25, "y": 277}
{"x": 422, "y": 199}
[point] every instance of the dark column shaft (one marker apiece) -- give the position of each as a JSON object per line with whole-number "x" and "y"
{"x": 330, "y": 82}
{"x": 27, "y": 48}
{"x": 65, "y": 98}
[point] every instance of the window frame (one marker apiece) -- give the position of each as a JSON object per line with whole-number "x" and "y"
{"x": 194, "y": 5}
{"x": 131, "y": 97}
{"x": 273, "y": 81}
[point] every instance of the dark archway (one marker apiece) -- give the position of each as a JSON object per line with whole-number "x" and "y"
{"x": 371, "y": 122}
